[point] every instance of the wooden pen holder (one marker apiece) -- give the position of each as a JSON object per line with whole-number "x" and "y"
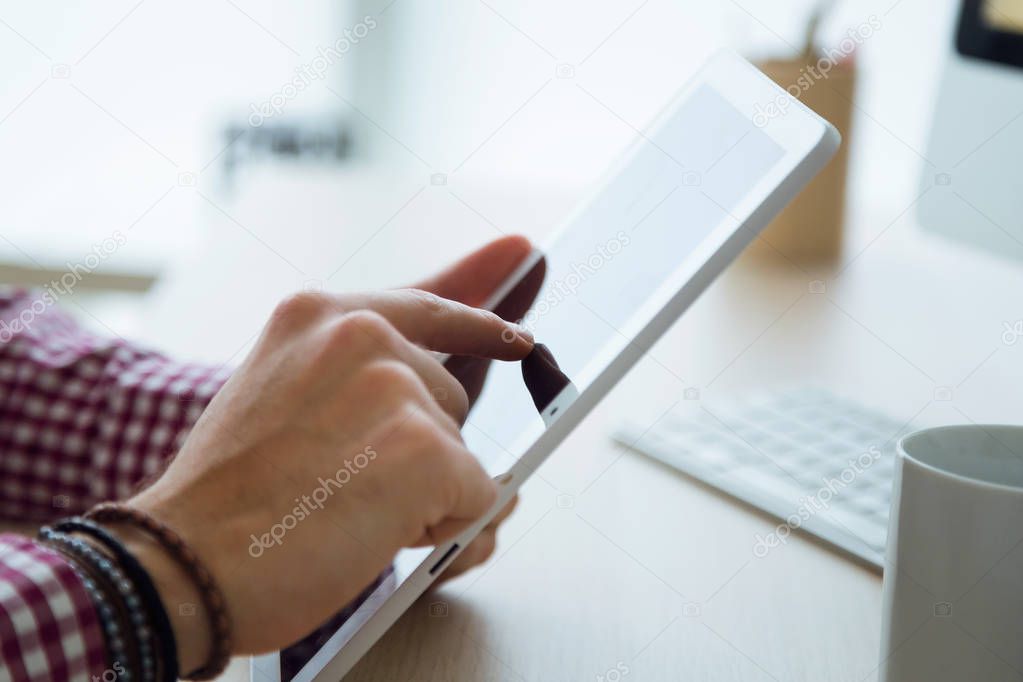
{"x": 809, "y": 230}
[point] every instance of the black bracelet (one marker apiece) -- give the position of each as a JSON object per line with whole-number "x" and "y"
{"x": 111, "y": 610}
{"x": 177, "y": 549}
{"x": 167, "y": 656}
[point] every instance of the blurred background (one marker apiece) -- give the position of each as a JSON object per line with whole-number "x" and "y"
{"x": 282, "y": 136}
{"x": 190, "y": 163}
{"x": 229, "y": 152}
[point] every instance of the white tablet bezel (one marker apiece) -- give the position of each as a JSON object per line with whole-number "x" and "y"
{"x": 808, "y": 142}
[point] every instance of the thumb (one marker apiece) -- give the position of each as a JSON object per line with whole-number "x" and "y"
{"x": 475, "y": 277}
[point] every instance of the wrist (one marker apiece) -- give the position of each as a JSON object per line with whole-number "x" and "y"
{"x": 179, "y": 595}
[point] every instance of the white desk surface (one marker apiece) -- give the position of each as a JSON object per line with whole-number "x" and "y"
{"x": 613, "y": 561}
{"x": 638, "y": 568}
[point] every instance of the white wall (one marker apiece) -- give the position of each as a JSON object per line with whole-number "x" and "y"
{"x": 445, "y": 77}
{"x": 146, "y": 88}
{"x": 454, "y": 81}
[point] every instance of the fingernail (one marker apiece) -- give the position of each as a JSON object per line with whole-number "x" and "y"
{"x": 524, "y": 334}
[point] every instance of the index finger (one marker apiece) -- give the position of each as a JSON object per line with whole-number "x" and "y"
{"x": 446, "y": 326}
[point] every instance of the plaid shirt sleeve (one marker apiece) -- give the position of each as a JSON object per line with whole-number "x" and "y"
{"x": 48, "y": 627}
{"x": 84, "y": 418}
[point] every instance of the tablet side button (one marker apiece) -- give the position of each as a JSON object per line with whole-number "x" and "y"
{"x": 444, "y": 559}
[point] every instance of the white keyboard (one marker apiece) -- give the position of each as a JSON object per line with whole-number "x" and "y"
{"x": 815, "y": 461}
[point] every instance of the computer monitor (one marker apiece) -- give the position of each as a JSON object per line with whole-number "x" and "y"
{"x": 973, "y": 188}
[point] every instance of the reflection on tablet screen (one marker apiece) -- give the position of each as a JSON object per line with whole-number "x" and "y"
{"x": 617, "y": 252}
{"x": 592, "y": 280}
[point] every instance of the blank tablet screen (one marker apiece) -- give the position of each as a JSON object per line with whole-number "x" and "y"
{"x": 676, "y": 188}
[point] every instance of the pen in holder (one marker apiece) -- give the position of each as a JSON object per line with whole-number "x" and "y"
{"x": 809, "y": 230}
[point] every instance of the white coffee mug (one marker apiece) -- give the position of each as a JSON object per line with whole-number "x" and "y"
{"x": 953, "y": 578}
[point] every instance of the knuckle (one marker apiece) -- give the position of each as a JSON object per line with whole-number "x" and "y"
{"x": 430, "y": 301}
{"x": 453, "y": 397}
{"x": 300, "y": 307}
{"x": 394, "y": 378}
{"x": 435, "y": 449}
{"x": 397, "y": 374}
{"x": 359, "y": 330}
{"x": 369, "y": 323}
{"x": 429, "y": 438}
{"x": 423, "y": 445}
{"x": 489, "y": 317}
{"x": 481, "y": 316}
{"x": 440, "y": 310}
{"x": 488, "y": 323}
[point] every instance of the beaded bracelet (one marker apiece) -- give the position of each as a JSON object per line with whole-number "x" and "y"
{"x": 212, "y": 598}
{"x": 167, "y": 653}
{"x": 115, "y": 625}
{"x": 102, "y": 583}
{"x": 113, "y": 628}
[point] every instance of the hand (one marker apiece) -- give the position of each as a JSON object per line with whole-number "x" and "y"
{"x": 337, "y": 387}
{"x": 472, "y": 281}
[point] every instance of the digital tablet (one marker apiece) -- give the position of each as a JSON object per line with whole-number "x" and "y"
{"x": 695, "y": 188}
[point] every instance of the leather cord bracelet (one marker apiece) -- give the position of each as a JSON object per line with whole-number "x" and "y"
{"x": 212, "y": 597}
{"x": 163, "y": 633}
